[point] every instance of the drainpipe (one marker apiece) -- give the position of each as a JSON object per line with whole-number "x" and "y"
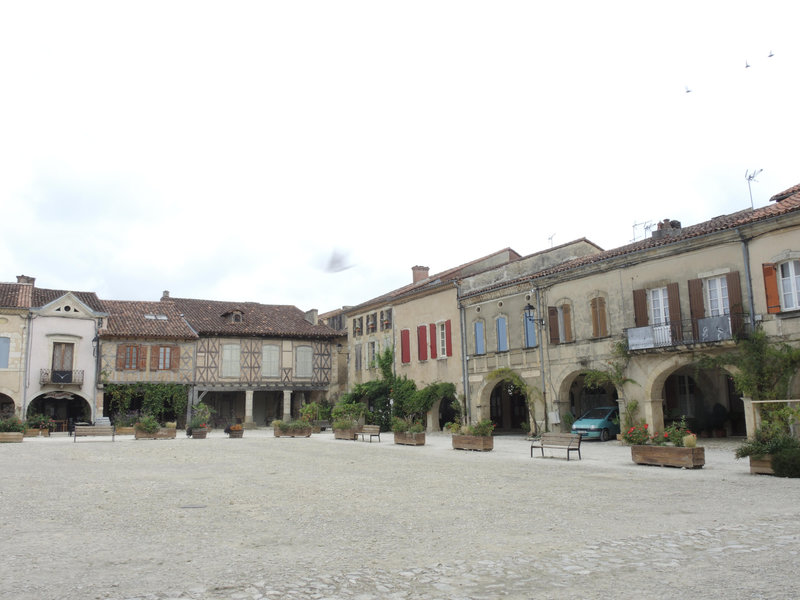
{"x": 26, "y": 372}
{"x": 464, "y": 356}
{"x": 746, "y": 258}
{"x": 540, "y": 326}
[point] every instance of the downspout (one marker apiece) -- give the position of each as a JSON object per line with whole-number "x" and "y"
{"x": 746, "y": 258}
{"x": 540, "y": 325}
{"x": 464, "y": 357}
{"x": 26, "y": 372}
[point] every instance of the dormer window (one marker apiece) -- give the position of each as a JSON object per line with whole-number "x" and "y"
{"x": 235, "y": 316}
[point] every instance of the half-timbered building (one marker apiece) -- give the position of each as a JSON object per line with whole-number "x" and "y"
{"x": 257, "y": 362}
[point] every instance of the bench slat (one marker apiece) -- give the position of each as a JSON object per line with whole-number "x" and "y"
{"x": 571, "y": 442}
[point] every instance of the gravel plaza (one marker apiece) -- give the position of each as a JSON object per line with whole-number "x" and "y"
{"x": 266, "y": 517}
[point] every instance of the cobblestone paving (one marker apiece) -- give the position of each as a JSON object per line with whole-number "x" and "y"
{"x": 686, "y": 564}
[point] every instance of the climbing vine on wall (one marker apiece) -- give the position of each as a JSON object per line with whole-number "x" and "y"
{"x": 161, "y": 400}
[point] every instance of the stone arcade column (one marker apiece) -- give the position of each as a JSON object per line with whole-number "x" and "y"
{"x": 248, "y": 408}
{"x": 654, "y": 414}
{"x": 287, "y": 405}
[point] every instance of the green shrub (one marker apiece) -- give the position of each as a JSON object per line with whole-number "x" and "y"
{"x": 767, "y": 440}
{"x": 11, "y": 424}
{"x": 291, "y": 426}
{"x": 148, "y": 424}
{"x": 201, "y": 415}
{"x": 482, "y": 428}
{"x": 786, "y": 463}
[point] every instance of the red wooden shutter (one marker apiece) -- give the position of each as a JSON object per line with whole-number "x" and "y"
{"x": 433, "y": 339}
{"x": 422, "y": 342}
{"x": 405, "y": 346}
{"x": 449, "y": 340}
{"x": 640, "y": 318}
{"x": 120, "y": 357}
{"x": 674, "y": 311}
{"x": 174, "y": 357}
{"x": 771, "y": 287}
{"x": 154, "y": 352}
{"x": 142, "y": 357}
{"x": 735, "y": 302}
{"x": 552, "y": 317}
{"x": 697, "y": 309}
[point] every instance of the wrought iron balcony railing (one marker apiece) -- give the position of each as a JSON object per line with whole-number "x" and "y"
{"x": 55, "y": 377}
{"x": 690, "y": 331}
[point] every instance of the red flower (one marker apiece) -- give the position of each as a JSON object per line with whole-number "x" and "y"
{"x": 645, "y": 425}
{"x": 666, "y": 435}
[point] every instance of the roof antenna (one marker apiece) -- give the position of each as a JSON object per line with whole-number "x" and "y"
{"x": 751, "y": 177}
{"x": 551, "y": 239}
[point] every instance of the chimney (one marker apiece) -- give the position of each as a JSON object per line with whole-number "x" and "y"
{"x": 419, "y": 273}
{"x": 26, "y": 279}
{"x": 25, "y": 292}
{"x": 667, "y": 228}
{"x": 165, "y": 296}
{"x": 312, "y": 316}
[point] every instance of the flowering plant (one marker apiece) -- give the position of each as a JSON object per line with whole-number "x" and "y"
{"x": 673, "y": 434}
{"x": 636, "y": 435}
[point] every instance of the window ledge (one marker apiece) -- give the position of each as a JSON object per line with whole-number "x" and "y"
{"x": 789, "y": 314}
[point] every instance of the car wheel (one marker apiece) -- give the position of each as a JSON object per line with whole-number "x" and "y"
{"x": 604, "y": 435}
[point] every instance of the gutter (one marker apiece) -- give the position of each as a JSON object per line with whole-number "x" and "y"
{"x": 748, "y": 278}
{"x": 464, "y": 356}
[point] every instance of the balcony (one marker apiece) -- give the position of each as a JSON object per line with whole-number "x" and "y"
{"x": 708, "y": 330}
{"x": 52, "y": 377}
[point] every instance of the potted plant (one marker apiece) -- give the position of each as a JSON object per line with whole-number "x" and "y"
{"x": 148, "y": 428}
{"x": 346, "y": 417}
{"x": 667, "y": 449}
{"x": 125, "y": 423}
{"x": 235, "y": 431}
{"x": 198, "y": 423}
{"x": 291, "y": 428}
{"x": 37, "y": 425}
{"x": 473, "y": 437}
{"x": 768, "y": 441}
{"x": 408, "y": 433}
{"x": 11, "y": 430}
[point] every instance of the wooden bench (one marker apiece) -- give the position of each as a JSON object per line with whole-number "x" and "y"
{"x": 571, "y": 442}
{"x": 87, "y": 430}
{"x": 372, "y": 431}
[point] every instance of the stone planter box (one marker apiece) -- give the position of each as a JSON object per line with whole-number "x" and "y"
{"x": 761, "y": 465}
{"x": 483, "y": 443}
{"x": 11, "y": 437}
{"x": 345, "y": 434}
{"x": 410, "y": 439}
{"x": 305, "y": 432}
{"x": 125, "y": 431}
{"x": 669, "y": 456}
{"x": 165, "y": 433}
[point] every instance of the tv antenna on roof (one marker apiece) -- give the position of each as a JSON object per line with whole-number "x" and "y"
{"x": 551, "y": 239}
{"x": 646, "y": 227}
{"x": 751, "y": 177}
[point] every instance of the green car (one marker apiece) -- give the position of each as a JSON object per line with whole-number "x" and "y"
{"x": 601, "y": 423}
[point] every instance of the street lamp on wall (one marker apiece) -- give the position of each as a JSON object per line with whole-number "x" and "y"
{"x": 530, "y": 314}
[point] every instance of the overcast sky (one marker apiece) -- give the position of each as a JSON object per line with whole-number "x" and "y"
{"x": 227, "y": 150}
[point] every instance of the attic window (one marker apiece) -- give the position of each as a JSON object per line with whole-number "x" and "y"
{"x": 235, "y": 316}
{"x": 156, "y": 317}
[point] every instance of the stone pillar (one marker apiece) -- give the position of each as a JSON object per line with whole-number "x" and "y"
{"x": 248, "y": 408}
{"x": 654, "y": 414}
{"x": 751, "y": 417}
{"x": 287, "y": 405}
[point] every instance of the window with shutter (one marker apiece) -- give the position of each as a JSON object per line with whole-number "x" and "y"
{"x": 553, "y": 324}
{"x": 422, "y": 342}
{"x": 358, "y": 359}
{"x": 5, "y": 350}
{"x": 304, "y": 360}
{"x": 480, "y": 340}
{"x": 230, "y": 360}
{"x": 529, "y": 328}
{"x": 405, "y": 346}
{"x": 789, "y": 284}
{"x": 502, "y": 334}
{"x": 432, "y": 340}
{"x": 599, "y": 326}
{"x": 270, "y": 360}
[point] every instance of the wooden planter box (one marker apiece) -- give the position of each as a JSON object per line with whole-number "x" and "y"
{"x": 483, "y": 443}
{"x": 200, "y": 433}
{"x": 761, "y": 465}
{"x": 410, "y": 439}
{"x": 236, "y": 433}
{"x": 45, "y": 432}
{"x": 345, "y": 434}
{"x": 125, "y": 431}
{"x": 165, "y": 433}
{"x": 305, "y": 432}
{"x": 11, "y": 437}
{"x": 669, "y": 456}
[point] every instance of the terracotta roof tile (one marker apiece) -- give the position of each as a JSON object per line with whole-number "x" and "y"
{"x": 208, "y": 317}
{"x": 159, "y": 320}
{"x": 787, "y": 202}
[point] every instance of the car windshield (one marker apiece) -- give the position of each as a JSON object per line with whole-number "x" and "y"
{"x": 596, "y": 413}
